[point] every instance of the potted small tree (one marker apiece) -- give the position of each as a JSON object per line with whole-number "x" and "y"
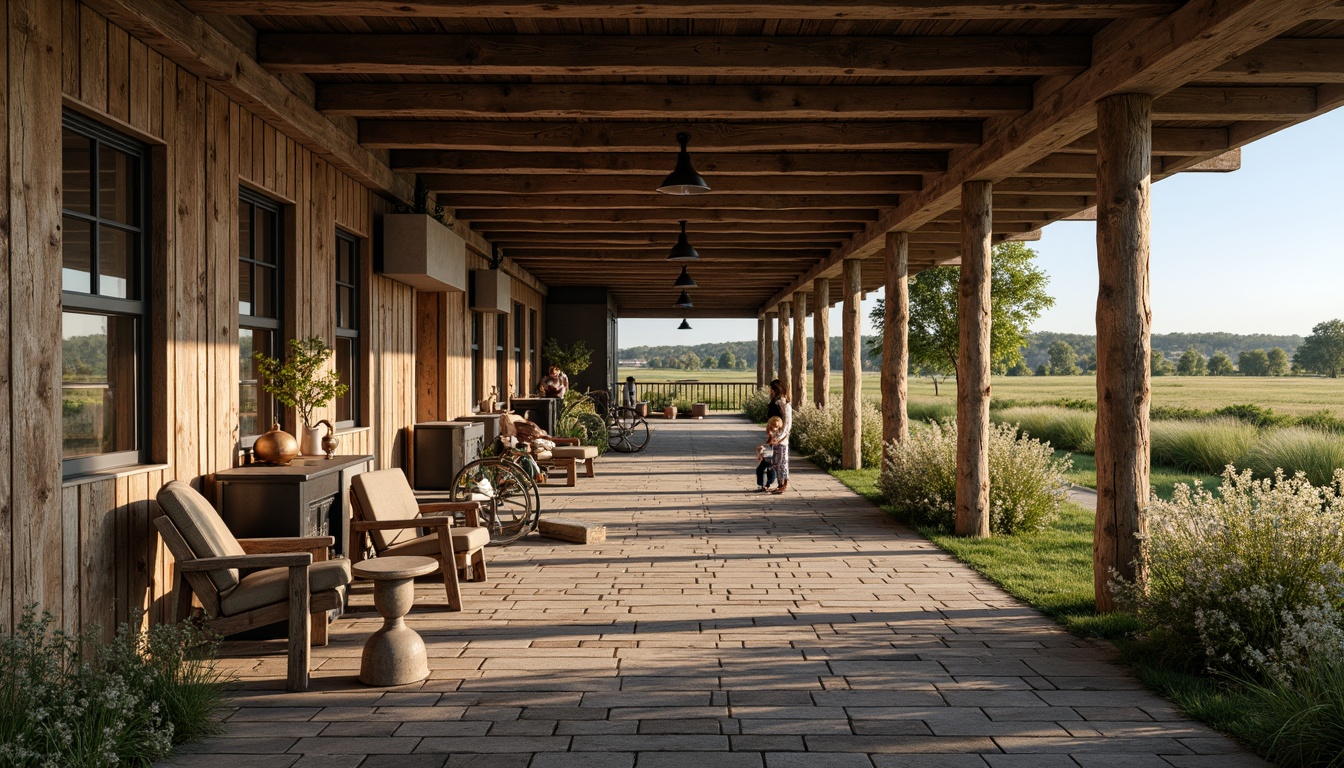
{"x": 301, "y": 383}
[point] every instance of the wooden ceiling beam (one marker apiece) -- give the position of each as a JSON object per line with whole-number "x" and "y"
{"x": 662, "y": 102}
{"x": 460, "y": 183}
{"x": 622, "y": 55}
{"x": 1166, "y": 141}
{"x": 653, "y": 200}
{"x": 695, "y": 215}
{"x": 712, "y": 164}
{"x": 563, "y": 238}
{"x": 875, "y": 10}
{"x": 1290, "y": 60}
{"x": 1236, "y": 103}
{"x": 701, "y": 243}
{"x": 651, "y": 313}
{"x": 820, "y": 229}
{"x": 539, "y": 136}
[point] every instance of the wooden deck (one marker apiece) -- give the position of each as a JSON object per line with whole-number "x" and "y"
{"x": 716, "y": 627}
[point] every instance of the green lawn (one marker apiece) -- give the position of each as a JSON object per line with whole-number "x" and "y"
{"x": 1293, "y": 395}
{"x": 1162, "y": 479}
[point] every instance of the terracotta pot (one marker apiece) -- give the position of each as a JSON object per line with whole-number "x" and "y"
{"x": 670, "y": 412}
{"x": 276, "y": 446}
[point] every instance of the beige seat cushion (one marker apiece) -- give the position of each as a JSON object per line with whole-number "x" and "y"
{"x": 383, "y": 496}
{"x": 465, "y": 539}
{"x": 542, "y": 455}
{"x": 202, "y": 528}
{"x": 574, "y": 452}
{"x": 271, "y": 586}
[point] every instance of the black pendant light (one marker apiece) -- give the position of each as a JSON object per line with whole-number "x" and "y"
{"x": 684, "y": 301}
{"x": 685, "y": 326}
{"x": 684, "y": 280}
{"x": 683, "y": 250}
{"x": 683, "y": 180}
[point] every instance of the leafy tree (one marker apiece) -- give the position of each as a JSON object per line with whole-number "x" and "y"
{"x": 571, "y": 360}
{"x": 1253, "y": 362}
{"x": 1278, "y": 362}
{"x": 1192, "y": 363}
{"x": 727, "y": 360}
{"x": 741, "y": 364}
{"x": 1063, "y": 360}
{"x": 690, "y": 361}
{"x": 654, "y": 363}
{"x": 1017, "y": 298}
{"x": 709, "y": 362}
{"x": 1322, "y": 351}
{"x": 1042, "y": 370}
{"x": 1160, "y": 365}
{"x": 1221, "y": 365}
{"x": 1020, "y": 368}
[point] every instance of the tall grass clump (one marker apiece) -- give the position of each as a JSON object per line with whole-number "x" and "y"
{"x": 1300, "y": 724}
{"x": 930, "y": 412}
{"x": 81, "y": 702}
{"x": 1066, "y": 429}
{"x": 819, "y": 434}
{"x": 755, "y": 405}
{"x": 1249, "y": 577}
{"x": 1026, "y": 481}
{"x": 1316, "y": 454}
{"x": 1207, "y": 445}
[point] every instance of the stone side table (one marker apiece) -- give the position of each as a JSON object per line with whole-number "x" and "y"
{"x": 395, "y": 654}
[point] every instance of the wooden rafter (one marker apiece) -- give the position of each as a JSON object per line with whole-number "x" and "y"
{"x": 655, "y": 201}
{"x": 462, "y": 183}
{"x": 715, "y": 164}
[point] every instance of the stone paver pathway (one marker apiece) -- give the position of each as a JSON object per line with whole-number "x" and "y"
{"x": 716, "y": 628}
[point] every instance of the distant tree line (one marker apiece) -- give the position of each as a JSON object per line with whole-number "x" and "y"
{"x": 733, "y": 355}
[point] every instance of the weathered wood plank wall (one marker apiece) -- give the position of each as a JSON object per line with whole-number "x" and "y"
{"x": 85, "y": 549}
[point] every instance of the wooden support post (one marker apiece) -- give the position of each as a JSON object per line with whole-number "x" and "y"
{"x": 1124, "y": 320}
{"x": 972, "y": 513}
{"x": 785, "y": 361}
{"x": 851, "y": 452}
{"x": 895, "y": 339}
{"x": 799, "y": 382}
{"x": 821, "y": 341}
{"x": 760, "y": 350}
{"x": 768, "y": 343}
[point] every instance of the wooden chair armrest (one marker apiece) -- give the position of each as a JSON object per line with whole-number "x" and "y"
{"x": 282, "y": 544}
{"x": 564, "y": 440}
{"x": 471, "y": 510}
{"x": 246, "y": 561}
{"x": 397, "y": 525}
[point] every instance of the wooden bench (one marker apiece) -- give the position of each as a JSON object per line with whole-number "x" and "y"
{"x": 567, "y": 455}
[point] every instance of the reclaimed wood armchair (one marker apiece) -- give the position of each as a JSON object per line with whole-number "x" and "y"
{"x": 293, "y": 580}
{"x": 387, "y": 513}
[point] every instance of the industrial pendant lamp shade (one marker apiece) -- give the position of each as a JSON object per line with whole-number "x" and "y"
{"x": 684, "y": 301}
{"x": 683, "y": 180}
{"x": 685, "y": 326}
{"x": 684, "y": 280}
{"x": 683, "y": 251}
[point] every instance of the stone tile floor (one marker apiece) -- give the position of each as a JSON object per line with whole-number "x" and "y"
{"x": 715, "y": 628}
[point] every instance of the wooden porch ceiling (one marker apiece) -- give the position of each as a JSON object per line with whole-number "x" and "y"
{"x": 820, "y": 124}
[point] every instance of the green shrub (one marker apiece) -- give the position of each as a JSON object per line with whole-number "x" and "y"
{"x": 1300, "y": 724}
{"x": 578, "y": 418}
{"x": 1256, "y": 415}
{"x": 1244, "y": 578}
{"x": 1201, "y": 446}
{"x": 818, "y": 433}
{"x": 1316, "y": 454}
{"x": 1063, "y": 428}
{"x": 755, "y": 405}
{"x": 81, "y": 701}
{"x": 930, "y": 412}
{"x": 1175, "y": 413}
{"x": 1322, "y": 421}
{"x": 1026, "y": 481}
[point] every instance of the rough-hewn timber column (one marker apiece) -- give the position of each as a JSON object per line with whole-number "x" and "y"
{"x": 895, "y": 339}
{"x": 1124, "y": 319}
{"x": 821, "y": 341}
{"x": 760, "y": 350}
{"x": 973, "y": 361}
{"x": 799, "y": 382}
{"x": 785, "y": 361}
{"x": 851, "y": 453}
{"x": 768, "y": 343}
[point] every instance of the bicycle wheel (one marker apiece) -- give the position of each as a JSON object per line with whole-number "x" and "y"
{"x": 627, "y": 432}
{"x": 509, "y": 511}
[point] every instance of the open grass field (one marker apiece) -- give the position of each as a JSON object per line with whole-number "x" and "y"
{"x": 1291, "y": 395}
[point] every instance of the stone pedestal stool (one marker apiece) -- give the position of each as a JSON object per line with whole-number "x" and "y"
{"x": 395, "y": 654}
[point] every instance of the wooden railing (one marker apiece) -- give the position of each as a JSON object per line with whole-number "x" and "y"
{"x": 720, "y": 395}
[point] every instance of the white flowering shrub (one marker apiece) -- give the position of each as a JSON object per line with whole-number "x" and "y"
{"x": 755, "y": 405}
{"x": 819, "y": 434}
{"x": 81, "y": 701}
{"x": 1248, "y": 577}
{"x": 1026, "y": 481}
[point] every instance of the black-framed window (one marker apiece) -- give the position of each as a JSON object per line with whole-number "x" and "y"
{"x": 477, "y": 360}
{"x": 348, "y": 280}
{"x": 518, "y": 319}
{"x": 260, "y": 281}
{"x": 532, "y": 342}
{"x": 104, "y": 312}
{"x": 501, "y": 355}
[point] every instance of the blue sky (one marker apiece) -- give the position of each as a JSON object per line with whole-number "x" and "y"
{"x": 1260, "y": 250}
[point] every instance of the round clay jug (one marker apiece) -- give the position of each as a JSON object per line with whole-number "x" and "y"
{"x": 276, "y": 447}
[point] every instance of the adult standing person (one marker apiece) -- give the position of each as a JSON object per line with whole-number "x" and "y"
{"x": 628, "y": 392}
{"x": 781, "y": 407}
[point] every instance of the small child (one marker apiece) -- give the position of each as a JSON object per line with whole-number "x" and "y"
{"x": 765, "y": 469}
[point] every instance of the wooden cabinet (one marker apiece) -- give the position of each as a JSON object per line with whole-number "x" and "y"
{"x": 310, "y": 497}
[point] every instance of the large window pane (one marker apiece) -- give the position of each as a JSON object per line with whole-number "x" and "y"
{"x": 345, "y": 366}
{"x": 264, "y": 250}
{"x": 264, "y": 299}
{"x": 118, "y": 186}
{"x": 254, "y": 406}
{"x": 244, "y": 288}
{"x": 76, "y": 255}
{"x": 76, "y": 172}
{"x": 98, "y": 384}
{"x": 116, "y": 259}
